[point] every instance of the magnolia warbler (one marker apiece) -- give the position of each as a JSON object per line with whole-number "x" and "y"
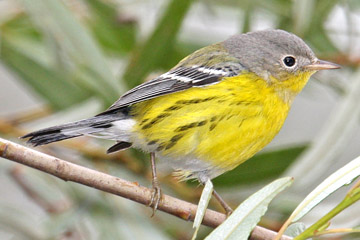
{"x": 211, "y": 112}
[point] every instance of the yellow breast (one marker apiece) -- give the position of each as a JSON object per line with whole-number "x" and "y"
{"x": 222, "y": 125}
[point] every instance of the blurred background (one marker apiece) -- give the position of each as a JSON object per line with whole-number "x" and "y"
{"x": 66, "y": 60}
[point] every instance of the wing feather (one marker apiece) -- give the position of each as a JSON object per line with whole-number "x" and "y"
{"x": 176, "y": 80}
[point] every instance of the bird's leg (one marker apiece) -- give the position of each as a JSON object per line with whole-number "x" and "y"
{"x": 226, "y": 207}
{"x": 156, "y": 190}
{"x": 222, "y": 202}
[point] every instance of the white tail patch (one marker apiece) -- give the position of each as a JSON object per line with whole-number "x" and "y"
{"x": 119, "y": 131}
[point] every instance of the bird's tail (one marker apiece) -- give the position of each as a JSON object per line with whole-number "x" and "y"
{"x": 95, "y": 126}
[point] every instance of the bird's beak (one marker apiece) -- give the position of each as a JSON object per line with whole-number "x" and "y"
{"x": 322, "y": 65}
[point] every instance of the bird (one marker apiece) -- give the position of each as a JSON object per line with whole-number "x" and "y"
{"x": 211, "y": 112}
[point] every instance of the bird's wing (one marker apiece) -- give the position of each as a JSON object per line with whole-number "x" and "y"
{"x": 176, "y": 80}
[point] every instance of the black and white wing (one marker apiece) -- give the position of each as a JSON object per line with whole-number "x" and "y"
{"x": 176, "y": 80}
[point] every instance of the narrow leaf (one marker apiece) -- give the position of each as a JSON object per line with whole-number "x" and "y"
{"x": 49, "y": 84}
{"x": 115, "y": 31}
{"x": 54, "y": 19}
{"x": 242, "y": 221}
{"x": 157, "y": 48}
{"x": 202, "y": 206}
{"x": 341, "y": 177}
{"x": 295, "y": 229}
{"x": 323, "y": 223}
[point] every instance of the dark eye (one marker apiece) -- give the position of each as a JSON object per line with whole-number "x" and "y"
{"x": 289, "y": 61}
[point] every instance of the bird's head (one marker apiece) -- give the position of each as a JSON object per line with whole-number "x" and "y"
{"x": 278, "y": 57}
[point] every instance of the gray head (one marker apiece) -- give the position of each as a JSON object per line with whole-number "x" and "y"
{"x": 274, "y": 52}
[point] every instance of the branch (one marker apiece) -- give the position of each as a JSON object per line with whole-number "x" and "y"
{"x": 131, "y": 190}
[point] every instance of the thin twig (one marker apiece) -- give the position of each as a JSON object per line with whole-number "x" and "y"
{"x": 337, "y": 231}
{"x": 131, "y": 190}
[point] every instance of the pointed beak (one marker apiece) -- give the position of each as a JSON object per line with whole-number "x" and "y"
{"x": 321, "y": 65}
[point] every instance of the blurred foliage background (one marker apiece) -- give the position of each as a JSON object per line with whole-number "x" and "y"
{"x": 71, "y": 59}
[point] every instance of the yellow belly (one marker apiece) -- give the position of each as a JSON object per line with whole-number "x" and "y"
{"x": 222, "y": 125}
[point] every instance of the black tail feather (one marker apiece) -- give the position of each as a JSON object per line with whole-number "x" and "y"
{"x": 71, "y": 130}
{"x": 47, "y": 137}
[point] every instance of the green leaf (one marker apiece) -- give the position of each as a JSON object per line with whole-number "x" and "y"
{"x": 53, "y": 87}
{"x": 303, "y": 11}
{"x": 353, "y": 4}
{"x": 59, "y": 25}
{"x": 316, "y": 35}
{"x": 114, "y": 31}
{"x": 263, "y": 166}
{"x": 341, "y": 177}
{"x": 156, "y": 49}
{"x": 319, "y": 227}
{"x": 20, "y": 25}
{"x": 242, "y": 221}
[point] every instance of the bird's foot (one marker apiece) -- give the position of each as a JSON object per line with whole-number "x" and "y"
{"x": 155, "y": 197}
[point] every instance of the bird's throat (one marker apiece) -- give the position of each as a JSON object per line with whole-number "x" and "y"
{"x": 288, "y": 89}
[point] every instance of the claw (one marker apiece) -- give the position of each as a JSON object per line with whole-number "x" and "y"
{"x": 228, "y": 211}
{"x": 155, "y": 198}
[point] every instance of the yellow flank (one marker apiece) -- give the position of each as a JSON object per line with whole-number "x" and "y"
{"x": 223, "y": 124}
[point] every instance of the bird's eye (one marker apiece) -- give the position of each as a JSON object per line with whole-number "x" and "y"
{"x": 289, "y": 61}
